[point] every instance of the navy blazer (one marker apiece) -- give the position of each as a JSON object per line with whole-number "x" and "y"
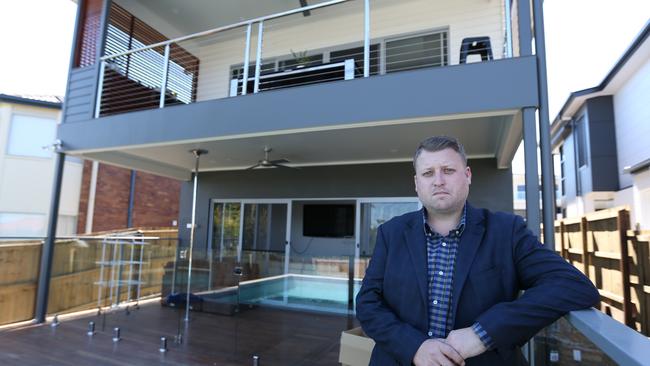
{"x": 497, "y": 257}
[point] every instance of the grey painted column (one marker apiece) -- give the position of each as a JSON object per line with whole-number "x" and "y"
{"x": 524, "y": 25}
{"x": 548, "y": 180}
{"x": 47, "y": 253}
{"x": 532, "y": 179}
{"x": 129, "y": 212}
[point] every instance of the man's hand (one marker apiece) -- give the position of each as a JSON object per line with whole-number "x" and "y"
{"x": 466, "y": 342}
{"x": 435, "y": 352}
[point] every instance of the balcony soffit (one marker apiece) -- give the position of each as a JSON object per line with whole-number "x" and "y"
{"x": 490, "y": 136}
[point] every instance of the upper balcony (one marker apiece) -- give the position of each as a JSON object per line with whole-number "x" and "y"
{"x": 327, "y": 65}
{"x": 292, "y": 47}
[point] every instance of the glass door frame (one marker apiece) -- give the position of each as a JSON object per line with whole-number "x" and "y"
{"x": 289, "y": 202}
{"x": 361, "y": 201}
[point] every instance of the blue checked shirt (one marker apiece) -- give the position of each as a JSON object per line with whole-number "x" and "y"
{"x": 441, "y": 259}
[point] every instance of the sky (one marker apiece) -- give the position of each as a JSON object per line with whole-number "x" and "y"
{"x": 36, "y": 38}
{"x": 584, "y": 39}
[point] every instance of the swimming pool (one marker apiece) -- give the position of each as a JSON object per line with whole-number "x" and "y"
{"x": 292, "y": 291}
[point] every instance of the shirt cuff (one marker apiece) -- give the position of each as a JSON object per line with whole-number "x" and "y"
{"x": 482, "y": 334}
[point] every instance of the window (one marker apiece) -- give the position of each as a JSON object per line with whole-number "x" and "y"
{"x": 562, "y": 163}
{"x": 66, "y": 225}
{"x": 356, "y": 53}
{"x": 416, "y": 52}
{"x": 581, "y": 142}
{"x": 300, "y": 59}
{"x": 374, "y": 214}
{"x": 28, "y": 135}
{"x": 521, "y": 192}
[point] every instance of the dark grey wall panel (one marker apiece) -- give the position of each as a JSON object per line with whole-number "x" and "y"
{"x": 80, "y": 96}
{"x": 82, "y": 74}
{"x": 491, "y": 187}
{"x": 471, "y": 88}
{"x": 602, "y": 143}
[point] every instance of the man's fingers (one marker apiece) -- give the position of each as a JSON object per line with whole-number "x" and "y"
{"x": 451, "y": 354}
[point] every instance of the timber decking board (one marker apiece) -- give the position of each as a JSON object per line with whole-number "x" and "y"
{"x": 279, "y": 337}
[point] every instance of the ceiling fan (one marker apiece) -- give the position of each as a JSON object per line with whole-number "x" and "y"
{"x": 266, "y": 163}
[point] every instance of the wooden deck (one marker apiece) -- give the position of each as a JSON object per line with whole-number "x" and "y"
{"x": 279, "y": 337}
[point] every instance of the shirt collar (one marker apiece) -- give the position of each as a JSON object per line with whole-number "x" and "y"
{"x": 458, "y": 231}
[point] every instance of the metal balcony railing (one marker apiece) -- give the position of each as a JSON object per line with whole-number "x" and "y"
{"x": 340, "y": 40}
{"x": 588, "y": 337}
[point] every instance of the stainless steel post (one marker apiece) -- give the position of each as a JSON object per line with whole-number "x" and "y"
{"x": 197, "y": 155}
{"x": 258, "y": 57}
{"x": 163, "y": 83}
{"x": 100, "y": 88}
{"x": 116, "y": 334}
{"x": 508, "y": 28}
{"x": 247, "y": 55}
{"x": 366, "y": 39}
{"x": 163, "y": 345}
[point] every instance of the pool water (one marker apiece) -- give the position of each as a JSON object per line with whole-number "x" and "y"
{"x": 318, "y": 293}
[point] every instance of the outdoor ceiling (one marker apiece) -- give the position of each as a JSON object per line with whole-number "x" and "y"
{"x": 191, "y": 16}
{"x": 496, "y": 136}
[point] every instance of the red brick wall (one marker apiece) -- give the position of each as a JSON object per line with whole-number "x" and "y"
{"x": 156, "y": 200}
{"x": 155, "y": 203}
{"x": 83, "y": 197}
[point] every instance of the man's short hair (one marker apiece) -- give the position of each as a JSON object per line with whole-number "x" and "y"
{"x": 439, "y": 143}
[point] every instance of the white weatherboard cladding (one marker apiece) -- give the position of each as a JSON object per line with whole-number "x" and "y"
{"x": 632, "y": 116}
{"x": 343, "y": 25}
{"x": 26, "y": 182}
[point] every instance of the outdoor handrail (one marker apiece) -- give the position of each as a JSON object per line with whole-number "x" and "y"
{"x": 225, "y": 28}
{"x": 89, "y": 237}
{"x": 619, "y": 342}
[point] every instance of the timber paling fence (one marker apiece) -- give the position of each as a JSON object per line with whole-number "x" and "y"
{"x": 615, "y": 258}
{"x": 76, "y": 271}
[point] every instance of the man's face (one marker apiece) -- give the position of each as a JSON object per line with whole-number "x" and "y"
{"x": 442, "y": 181}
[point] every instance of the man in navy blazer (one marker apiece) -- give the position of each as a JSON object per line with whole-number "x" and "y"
{"x": 443, "y": 285}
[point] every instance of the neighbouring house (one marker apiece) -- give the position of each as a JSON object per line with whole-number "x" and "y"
{"x": 27, "y": 166}
{"x": 119, "y": 198}
{"x": 300, "y": 121}
{"x": 601, "y": 134}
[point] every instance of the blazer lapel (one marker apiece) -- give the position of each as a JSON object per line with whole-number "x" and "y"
{"x": 467, "y": 248}
{"x": 416, "y": 244}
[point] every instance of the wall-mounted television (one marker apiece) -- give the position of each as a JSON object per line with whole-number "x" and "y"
{"x": 328, "y": 220}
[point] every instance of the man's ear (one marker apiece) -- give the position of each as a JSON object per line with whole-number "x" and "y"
{"x": 468, "y": 174}
{"x": 415, "y": 181}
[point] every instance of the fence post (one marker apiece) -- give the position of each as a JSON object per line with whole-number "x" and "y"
{"x": 563, "y": 250}
{"x": 641, "y": 248}
{"x": 644, "y": 244}
{"x": 623, "y": 224}
{"x": 584, "y": 227}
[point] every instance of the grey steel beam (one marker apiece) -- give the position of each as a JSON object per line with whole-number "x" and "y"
{"x": 47, "y": 253}
{"x": 548, "y": 180}
{"x": 532, "y": 179}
